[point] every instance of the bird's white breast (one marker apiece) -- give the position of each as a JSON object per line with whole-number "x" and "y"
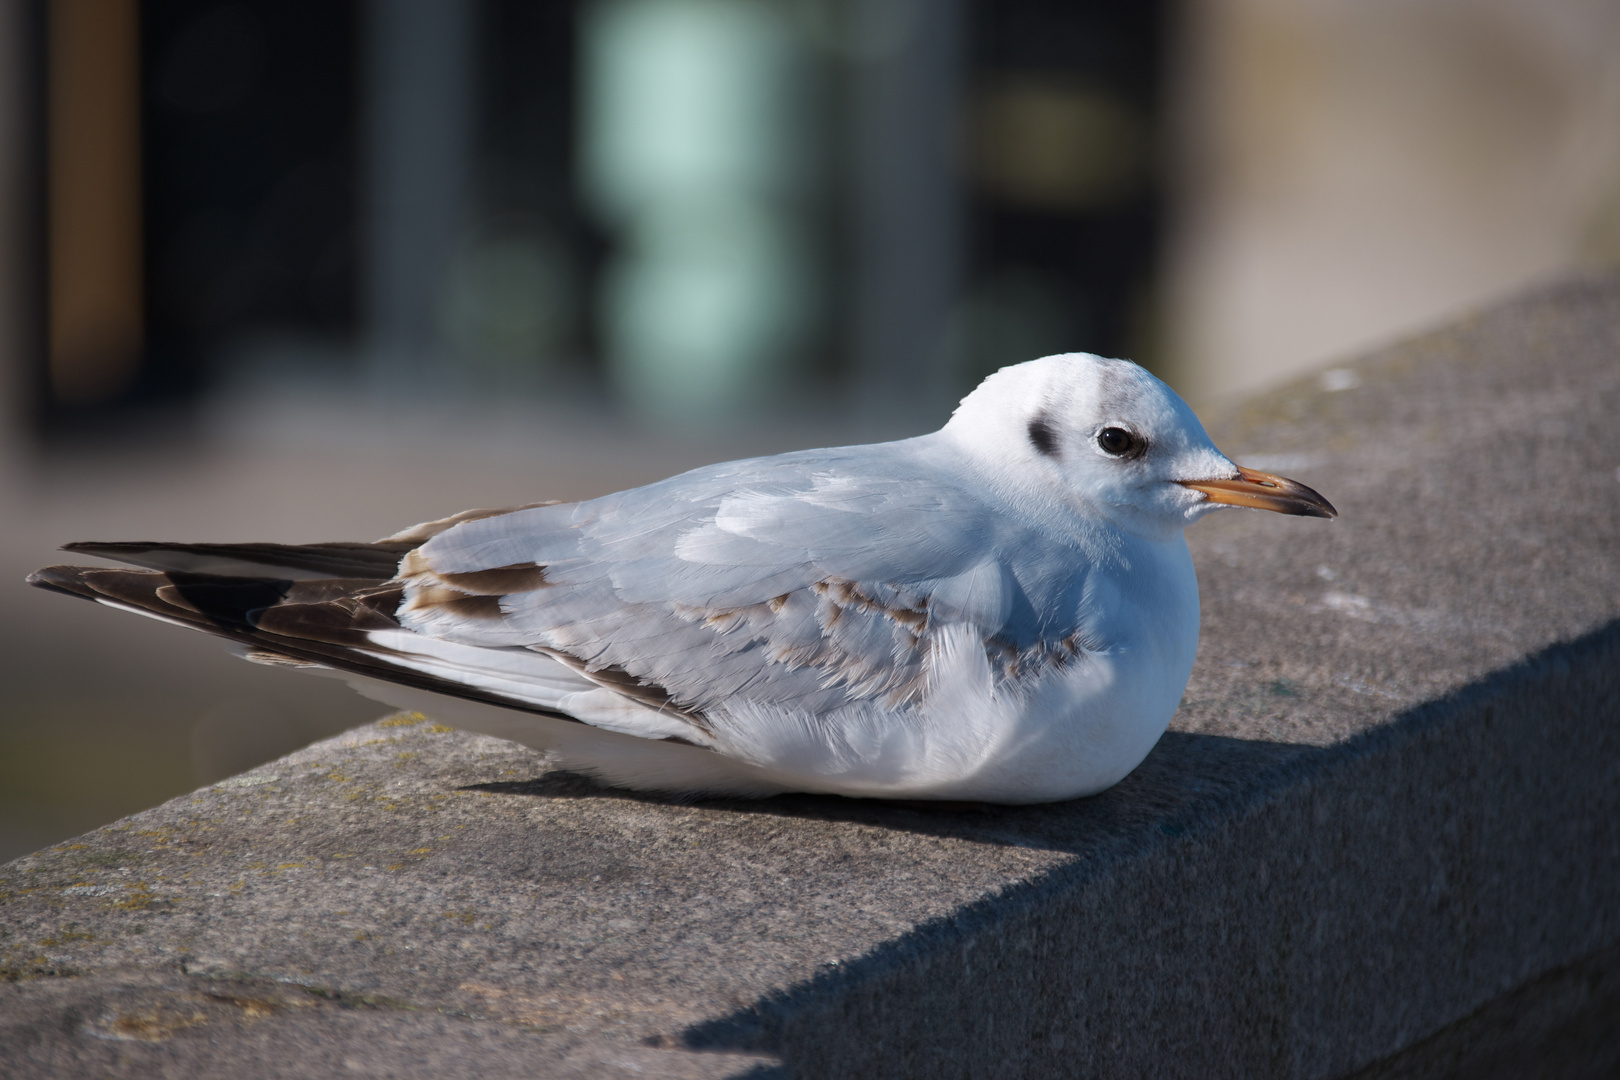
{"x": 1069, "y": 730}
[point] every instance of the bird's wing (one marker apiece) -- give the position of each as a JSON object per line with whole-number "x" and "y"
{"x": 288, "y": 562}
{"x": 326, "y": 605}
{"x": 376, "y": 561}
{"x": 805, "y": 581}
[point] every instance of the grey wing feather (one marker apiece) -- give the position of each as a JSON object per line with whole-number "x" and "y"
{"x": 807, "y": 580}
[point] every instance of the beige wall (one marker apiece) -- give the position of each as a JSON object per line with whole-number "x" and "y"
{"x": 1349, "y": 171}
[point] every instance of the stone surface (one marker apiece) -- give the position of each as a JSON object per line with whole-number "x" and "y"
{"x": 146, "y": 1023}
{"x": 1384, "y": 826}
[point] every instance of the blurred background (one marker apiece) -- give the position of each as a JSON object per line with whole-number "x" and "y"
{"x": 316, "y": 269}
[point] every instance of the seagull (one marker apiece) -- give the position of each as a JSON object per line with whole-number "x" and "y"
{"x": 1002, "y": 611}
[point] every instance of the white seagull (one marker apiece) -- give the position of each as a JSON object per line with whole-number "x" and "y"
{"x": 1002, "y": 611}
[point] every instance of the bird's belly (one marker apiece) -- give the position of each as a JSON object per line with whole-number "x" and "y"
{"x": 1081, "y": 731}
{"x": 1074, "y": 731}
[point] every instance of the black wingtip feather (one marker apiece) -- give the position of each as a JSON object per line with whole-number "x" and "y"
{"x": 230, "y": 603}
{"x": 377, "y": 561}
{"x": 67, "y": 580}
{"x": 232, "y": 608}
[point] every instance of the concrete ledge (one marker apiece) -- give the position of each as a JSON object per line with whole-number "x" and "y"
{"x": 1382, "y": 837}
{"x": 154, "y": 1023}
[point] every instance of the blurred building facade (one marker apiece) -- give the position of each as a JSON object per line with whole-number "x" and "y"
{"x": 688, "y": 206}
{"x": 697, "y": 206}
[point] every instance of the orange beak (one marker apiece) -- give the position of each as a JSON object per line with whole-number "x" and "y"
{"x": 1263, "y": 491}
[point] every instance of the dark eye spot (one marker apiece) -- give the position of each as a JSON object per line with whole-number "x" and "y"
{"x": 1042, "y": 437}
{"x": 1119, "y": 442}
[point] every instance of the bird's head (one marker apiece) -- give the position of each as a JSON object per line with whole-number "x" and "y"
{"x": 1109, "y": 436}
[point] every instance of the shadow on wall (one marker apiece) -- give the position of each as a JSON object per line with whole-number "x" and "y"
{"x": 1182, "y": 777}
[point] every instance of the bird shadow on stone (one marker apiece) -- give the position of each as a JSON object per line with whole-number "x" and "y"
{"x": 1184, "y": 782}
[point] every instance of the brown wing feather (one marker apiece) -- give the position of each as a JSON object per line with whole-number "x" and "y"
{"x": 321, "y": 622}
{"x": 427, "y": 530}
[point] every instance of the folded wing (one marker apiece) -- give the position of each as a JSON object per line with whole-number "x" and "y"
{"x": 321, "y": 605}
{"x": 804, "y": 582}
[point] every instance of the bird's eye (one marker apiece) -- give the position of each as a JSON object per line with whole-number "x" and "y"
{"x": 1118, "y": 442}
